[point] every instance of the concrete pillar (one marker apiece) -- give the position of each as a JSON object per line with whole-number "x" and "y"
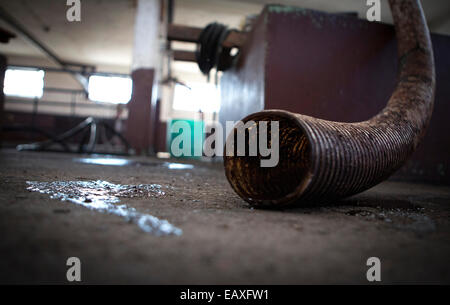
{"x": 146, "y": 60}
{"x": 147, "y": 44}
{"x": 3, "y": 65}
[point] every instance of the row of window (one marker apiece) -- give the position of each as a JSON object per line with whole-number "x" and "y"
{"x": 29, "y": 83}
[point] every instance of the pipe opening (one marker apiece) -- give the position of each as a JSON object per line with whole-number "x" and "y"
{"x": 272, "y": 185}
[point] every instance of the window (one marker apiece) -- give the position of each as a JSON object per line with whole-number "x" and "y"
{"x": 110, "y": 89}
{"x": 27, "y": 83}
{"x": 200, "y": 96}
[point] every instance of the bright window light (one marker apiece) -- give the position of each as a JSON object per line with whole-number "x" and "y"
{"x": 110, "y": 89}
{"x": 201, "y": 96}
{"x": 24, "y": 83}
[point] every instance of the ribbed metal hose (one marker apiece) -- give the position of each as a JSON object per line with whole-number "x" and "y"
{"x": 322, "y": 160}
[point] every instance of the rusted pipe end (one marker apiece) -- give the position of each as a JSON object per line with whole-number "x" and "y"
{"x": 288, "y": 180}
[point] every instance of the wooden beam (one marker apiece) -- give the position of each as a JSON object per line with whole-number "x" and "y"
{"x": 191, "y": 34}
{"x": 184, "y": 55}
{"x": 183, "y": 33}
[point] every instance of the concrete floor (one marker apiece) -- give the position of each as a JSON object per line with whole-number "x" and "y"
{"x": 224, "y": 241}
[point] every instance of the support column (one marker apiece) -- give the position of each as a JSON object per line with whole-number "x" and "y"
{"x": 146, "y": 58}
{"x": 3, "y": 66}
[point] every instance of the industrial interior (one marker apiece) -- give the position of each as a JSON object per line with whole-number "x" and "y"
{"x": 120, "y": 141}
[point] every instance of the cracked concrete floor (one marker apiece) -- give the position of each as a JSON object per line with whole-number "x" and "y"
{"x": 224, "y": 241}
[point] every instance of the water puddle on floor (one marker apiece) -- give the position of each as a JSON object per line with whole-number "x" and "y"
{"x": 104, "y": 197}
{"x": 124, "y": 162}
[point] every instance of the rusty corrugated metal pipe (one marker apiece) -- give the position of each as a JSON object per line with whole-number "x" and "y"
{"x": 322, "y": 160}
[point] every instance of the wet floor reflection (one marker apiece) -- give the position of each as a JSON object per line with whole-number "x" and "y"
{"x": 104, "y": 197}
{"x": 124, "y": 162}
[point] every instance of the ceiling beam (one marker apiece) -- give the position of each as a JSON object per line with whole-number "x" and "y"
{"x": 191, "y": 34}
{"x": 65, "y": 65}
{"x": 181, "y": 55}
